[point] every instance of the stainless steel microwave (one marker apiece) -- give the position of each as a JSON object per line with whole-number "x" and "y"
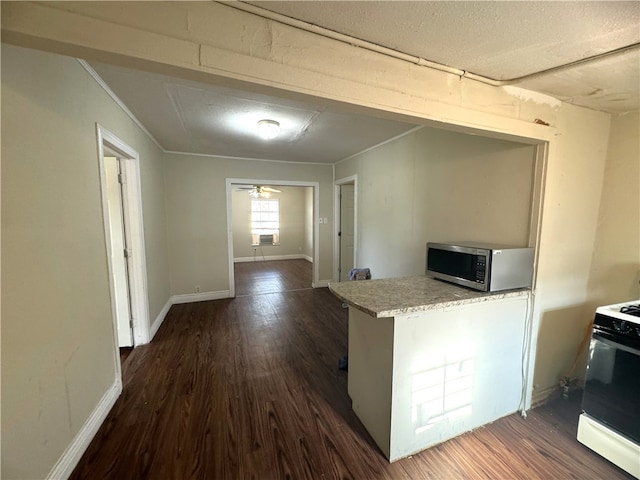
{"x": 485, "y": 267}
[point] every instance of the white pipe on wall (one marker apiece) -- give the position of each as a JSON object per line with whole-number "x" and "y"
{"x": 309, "y": 27}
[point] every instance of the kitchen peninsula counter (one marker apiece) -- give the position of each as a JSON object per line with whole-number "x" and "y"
{"x": 389, "y": 297}
{"x": 429, "y": 360}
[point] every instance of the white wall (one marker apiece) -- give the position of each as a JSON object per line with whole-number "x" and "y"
{"x": 575, "y": 171}
{"x": 196, "y": 215}
{"x": 474, "y": 365}
{"x": 58, "y": 348}
{"x": 292, "y": 224}
{"x": 615, "y": 267}
{"x": 218, "y": 44}
{"x": 435, "y": 185}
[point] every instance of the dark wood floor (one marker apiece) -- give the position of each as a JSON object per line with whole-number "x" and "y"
{"x": 255, "y": 278}
{"x": 124, "y": 353}
{"x": 249, "y": 389}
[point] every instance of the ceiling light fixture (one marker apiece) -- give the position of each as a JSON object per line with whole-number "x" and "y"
{"x": 260, "y": 191}
{"x": 268, "y": 129}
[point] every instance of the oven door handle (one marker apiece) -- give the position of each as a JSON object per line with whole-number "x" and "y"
{"x": 615, "y": 342}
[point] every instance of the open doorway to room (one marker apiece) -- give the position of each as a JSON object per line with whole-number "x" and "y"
{"x": 122, "y": 212}
{"x": 272, "y": 244}
{"x": 119, "y": 248}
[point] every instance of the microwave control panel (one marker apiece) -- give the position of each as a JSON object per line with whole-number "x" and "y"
{"x": 481, "y": 268}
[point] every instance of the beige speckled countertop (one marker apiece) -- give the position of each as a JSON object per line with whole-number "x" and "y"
{"x": 390, "y": 297}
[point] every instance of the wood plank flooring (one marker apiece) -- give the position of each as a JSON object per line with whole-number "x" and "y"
{"x": 124, "y": 353}
{"x": 249, "y": 388}
{"x": 255, "y": 278}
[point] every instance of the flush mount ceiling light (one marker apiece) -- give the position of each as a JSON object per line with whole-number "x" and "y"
{"x": 268, "y": 129}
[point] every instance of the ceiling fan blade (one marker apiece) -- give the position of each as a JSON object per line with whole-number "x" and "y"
{"x": 272, "y": 190}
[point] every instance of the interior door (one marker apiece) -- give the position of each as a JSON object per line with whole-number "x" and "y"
{"x": 347, "y": 213}
{"x": 119, "y": 265}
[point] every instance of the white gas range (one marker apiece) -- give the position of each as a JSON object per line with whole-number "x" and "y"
{"x": 610, "y": 422}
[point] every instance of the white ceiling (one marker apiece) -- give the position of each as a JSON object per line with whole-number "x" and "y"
{"x": 498, "y": 40}
{"x": 502, "y": 40}
{"x": 191, "y": 117}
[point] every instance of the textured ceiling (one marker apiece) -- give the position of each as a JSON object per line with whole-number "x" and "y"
{"x": 186, "y": 116}
{"x": 498, "y": 40}
{"x": 502, "y": 40}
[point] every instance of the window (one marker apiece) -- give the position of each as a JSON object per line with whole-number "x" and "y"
{"x": 265, "y": 222}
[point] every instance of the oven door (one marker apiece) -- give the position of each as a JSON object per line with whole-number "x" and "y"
{"x": 612, "y": 386}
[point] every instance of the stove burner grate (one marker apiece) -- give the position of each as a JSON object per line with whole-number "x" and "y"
{"x": 631, "y": 310}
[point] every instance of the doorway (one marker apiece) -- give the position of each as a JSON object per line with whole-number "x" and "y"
{"x": 122, "y": 213}
{"x": 119, "y": 250}
{"x": 272, "y": 246}
{"x": 345, "y": 190}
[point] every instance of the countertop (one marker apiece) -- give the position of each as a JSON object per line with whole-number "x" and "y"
{"x": 390, "y": 297}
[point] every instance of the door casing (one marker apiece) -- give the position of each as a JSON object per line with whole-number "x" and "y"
{"x": 132, "y": 210}
{"x": 351, "y": 180}
{"x": 316, "y": 220}
{"x": 119, "y": 258}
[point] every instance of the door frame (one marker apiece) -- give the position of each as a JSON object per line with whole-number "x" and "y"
{"x": 352, "y": 179}
{"x": 118, "y": 244}
{"x": 132, "y": 209}
{"x": 285, "y": 183}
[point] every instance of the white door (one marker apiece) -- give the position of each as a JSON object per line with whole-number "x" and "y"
{"x": 347, "y": 213}
{"x": 119, "y": 265}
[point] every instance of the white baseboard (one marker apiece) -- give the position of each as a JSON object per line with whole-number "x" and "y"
{"x": 184, "y": 298}
{"x": 159, "y": 319}
{"x": 71, "y": 456}
{"x": 260, "y": 258}
{"x": 199, "y": 297}
{"x": 321, "y": 283}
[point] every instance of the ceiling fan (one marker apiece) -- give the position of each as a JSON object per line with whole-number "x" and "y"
{"x": 259, "y": 191}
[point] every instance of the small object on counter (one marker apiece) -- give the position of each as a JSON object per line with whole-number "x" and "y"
{"x": 360, "y": 274}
